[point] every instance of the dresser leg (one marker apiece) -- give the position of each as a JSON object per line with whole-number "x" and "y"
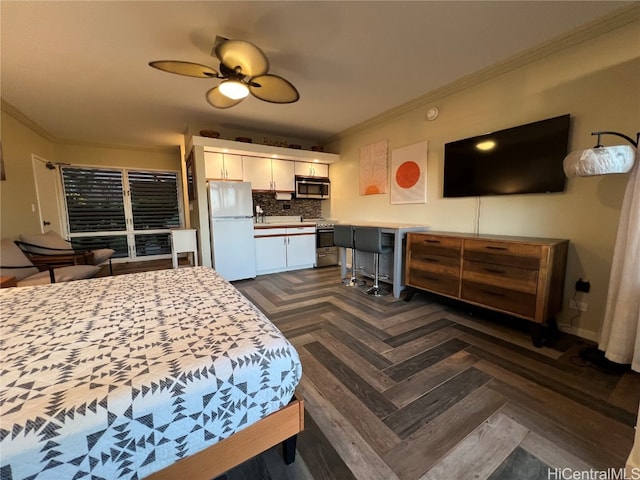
{"x": 536, "y": 334}
{"x": 408, "y": 293}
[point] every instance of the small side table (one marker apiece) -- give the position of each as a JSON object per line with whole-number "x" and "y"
{"x": 8, "y": 281}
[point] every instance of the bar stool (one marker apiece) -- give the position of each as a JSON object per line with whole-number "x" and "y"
{"x": 343, "y": 237}
{"x": 369, "y": 239}
{"x": 184, "y": 240}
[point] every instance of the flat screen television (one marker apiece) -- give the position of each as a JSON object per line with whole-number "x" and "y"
{"x": 523, "y": 159}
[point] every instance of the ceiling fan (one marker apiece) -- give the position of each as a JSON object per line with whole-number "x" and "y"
{"x": 243, "y": 70}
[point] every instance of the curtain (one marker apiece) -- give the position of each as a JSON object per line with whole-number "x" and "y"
{"x": 620, "y": 335}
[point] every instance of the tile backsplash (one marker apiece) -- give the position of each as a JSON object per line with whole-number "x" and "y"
{"x": 307, "y": 207}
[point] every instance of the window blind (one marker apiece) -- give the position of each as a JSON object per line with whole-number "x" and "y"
{"x": 132, "y": 210}
{"x": 95, "y": 201}
{"x": 154, "y": 200}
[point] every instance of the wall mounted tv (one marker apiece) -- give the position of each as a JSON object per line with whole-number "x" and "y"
{"x": 523, "y": 159}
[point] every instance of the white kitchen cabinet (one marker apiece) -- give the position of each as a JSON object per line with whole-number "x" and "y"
{"x": 271, "y": 253}
{"x": 283, "y": 175}
{"x": 312, "y": 169}
{"x": 222, "y": 166}
{"x": 301, "y": 247}
{"x": 283, "y": 249}
{"x": 269, "y": 173}
{"x": 257, "y": 170}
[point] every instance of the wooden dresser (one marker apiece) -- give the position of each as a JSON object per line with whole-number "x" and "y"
{"x": 520, "y": 276}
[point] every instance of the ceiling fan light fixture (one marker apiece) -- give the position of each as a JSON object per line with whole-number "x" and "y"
{"x": 233, "y": 89}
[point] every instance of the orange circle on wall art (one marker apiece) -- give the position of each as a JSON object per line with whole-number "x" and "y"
{"x": 372, "y": 190}
{"x": 408, "y": 174}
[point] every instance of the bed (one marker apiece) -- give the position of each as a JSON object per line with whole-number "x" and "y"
{"x": 163, "y": 374}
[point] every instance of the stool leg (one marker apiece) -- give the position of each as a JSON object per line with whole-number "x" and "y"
{"x": 353, "y": 281}
{"x": 376, "y": 291}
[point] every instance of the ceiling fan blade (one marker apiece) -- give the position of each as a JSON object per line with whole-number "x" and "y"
{"x": 239, "y": 53}
{"x": 273, "y": 88}
{"x": 184, "y": 68}
{"x": 218, "y": 100}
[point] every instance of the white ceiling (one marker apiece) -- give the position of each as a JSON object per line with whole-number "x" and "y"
{"x": 79, "y": 69}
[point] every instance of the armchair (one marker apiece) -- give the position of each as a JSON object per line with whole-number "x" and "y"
{"x": 13, "y": 262}
{"x": 51, "y": 249}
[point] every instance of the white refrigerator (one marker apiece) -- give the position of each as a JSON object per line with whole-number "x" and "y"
{"x": 232, "y": 245}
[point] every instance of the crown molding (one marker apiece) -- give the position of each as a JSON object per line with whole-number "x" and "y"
{"x": 27, "y": 122}
{"x": 621, "y": 17}
{"x": 114, "y": 146}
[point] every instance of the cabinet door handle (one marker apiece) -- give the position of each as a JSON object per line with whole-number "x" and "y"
{"x": 431, "y": 260}
{"x": 432, "y": 241}
{"x": 226, "y": 174}
{"x": 433, "y": 279}
{"x": 221, "y": 173}
{"x": 491, "y": 247}
{"x": 494, "y": 270}
{"x": 493, "y": 294}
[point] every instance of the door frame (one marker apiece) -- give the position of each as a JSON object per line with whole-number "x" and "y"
{"x": 58, "y": 223}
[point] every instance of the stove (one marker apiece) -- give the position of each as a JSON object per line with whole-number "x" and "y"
{"x": 326, "y": 251}
{"x": 325, "y": 223}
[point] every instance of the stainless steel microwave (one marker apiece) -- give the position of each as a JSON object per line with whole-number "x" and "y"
{"x": 313, "y": 187}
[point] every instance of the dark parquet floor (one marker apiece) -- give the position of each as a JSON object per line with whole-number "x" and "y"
{"x": 428, "y": 390}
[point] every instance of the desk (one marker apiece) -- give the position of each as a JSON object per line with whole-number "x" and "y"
{"x": 8, "y": 281}
{"x": 398, "y": 231}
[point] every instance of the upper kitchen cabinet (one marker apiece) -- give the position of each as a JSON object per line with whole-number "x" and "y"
{"x": 222, "y": 166}
{"x": 269, "y": 173}
{"x": 312, "y": 169}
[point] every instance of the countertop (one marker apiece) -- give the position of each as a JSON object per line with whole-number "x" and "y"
{"x": 390, "y": 225}
{"x": 283, "y": 221}
{"x": 283, "y": 224}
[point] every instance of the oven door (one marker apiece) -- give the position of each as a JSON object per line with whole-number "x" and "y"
{"x": 324, "y": 237}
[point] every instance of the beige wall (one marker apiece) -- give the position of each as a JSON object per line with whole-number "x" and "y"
{"x": 597, "y": 82}
{"x": 18, "y": 191}
{"x": 160, "y": 159}
{"x": 20, "y": 141}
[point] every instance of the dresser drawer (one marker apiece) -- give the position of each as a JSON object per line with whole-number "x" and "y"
{"x": 503, "y": 253}
{"x": 519, "y": 303}
{"x": 512, "y": 278}
{"x": 434, "y": 281}
{"x": 421, "y": 244}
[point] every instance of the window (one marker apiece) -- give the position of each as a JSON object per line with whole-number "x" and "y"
{"x": 130, "y": 210}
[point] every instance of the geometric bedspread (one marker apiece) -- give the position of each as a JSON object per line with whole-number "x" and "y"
{"x": 119, "y": 377}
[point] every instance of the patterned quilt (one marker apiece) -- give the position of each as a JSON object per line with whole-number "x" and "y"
{"x": 119, "y": 377}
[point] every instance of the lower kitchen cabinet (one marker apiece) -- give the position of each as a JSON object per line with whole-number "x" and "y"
{"x": 282, "y": 249}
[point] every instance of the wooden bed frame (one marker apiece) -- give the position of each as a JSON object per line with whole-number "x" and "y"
{"x": 281, "y": 426}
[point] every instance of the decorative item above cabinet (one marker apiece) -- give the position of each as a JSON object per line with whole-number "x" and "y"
{"x": 256, "y": 150}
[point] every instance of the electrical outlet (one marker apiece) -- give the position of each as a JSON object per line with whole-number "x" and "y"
{"x": 583, "y": 286}
{"x": 580, "y": 306}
